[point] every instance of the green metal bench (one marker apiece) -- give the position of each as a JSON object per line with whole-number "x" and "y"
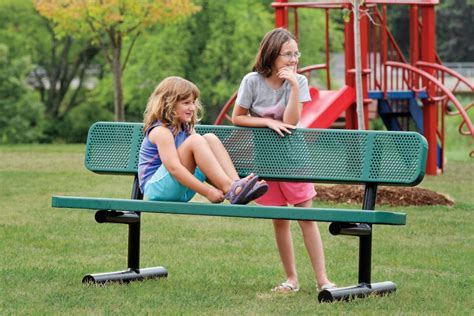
{"x": 370, "y": 158}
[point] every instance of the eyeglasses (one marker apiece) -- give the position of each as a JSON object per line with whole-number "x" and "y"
{"x": 289, "y": 55}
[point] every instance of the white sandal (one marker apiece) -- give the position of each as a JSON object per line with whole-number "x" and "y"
{"x": 286, "y": 287}
{"x": 327, "y": 286}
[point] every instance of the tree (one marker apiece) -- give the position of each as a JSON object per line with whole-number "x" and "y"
{"x": 22, "y": 113}
{"x": 111, "y": 24}
{"x": 214, "y": 49}
{"x": 454, "y": 29}
{"x": 53, "y": 78}
{"x": 227, "y": 48}
{"x": 58, "y": 62}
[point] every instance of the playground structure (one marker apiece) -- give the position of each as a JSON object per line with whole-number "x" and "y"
{"x": 410, "y": 93}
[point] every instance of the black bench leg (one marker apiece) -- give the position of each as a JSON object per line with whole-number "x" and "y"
{"x": 364, "y": 231}
{"x": 133, "y": 273}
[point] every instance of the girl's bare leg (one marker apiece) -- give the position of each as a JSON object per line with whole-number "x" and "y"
{"x": 314, "y": 246}
{"x": 285, "y": 249}
{"x": 222, "y": 155}
{"x": 196, "y": 151}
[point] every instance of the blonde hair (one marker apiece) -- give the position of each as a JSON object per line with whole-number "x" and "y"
{"x": 162, "y": 102}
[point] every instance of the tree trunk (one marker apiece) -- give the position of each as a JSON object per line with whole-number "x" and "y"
{"x": 65, "y": 64}
{"x": 118, "y": 89}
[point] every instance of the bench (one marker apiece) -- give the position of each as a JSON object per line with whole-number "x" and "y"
{"x": 369, "y": 158}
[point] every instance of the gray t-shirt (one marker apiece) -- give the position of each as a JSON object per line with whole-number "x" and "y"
{"x": 263, "y": 101}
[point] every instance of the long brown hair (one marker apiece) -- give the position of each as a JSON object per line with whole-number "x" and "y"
{"x": 162, "y": 102}
{"x": 269, "y": 50}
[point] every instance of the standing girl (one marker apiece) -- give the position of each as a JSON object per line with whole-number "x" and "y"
{"x": 174, "y": 161}
{"x": 272, "y": 96}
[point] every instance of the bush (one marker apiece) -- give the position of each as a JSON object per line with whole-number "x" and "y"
{"x": 76, "y": 124}
{"x": 22, "y": 119}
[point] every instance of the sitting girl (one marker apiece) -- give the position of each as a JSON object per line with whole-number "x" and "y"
{"x": 174, "y": 161}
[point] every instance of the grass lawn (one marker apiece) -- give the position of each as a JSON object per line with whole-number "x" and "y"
{"x": 216, "y": 265}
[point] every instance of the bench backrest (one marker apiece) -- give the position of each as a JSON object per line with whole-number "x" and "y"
{"x": 308, "y": 155}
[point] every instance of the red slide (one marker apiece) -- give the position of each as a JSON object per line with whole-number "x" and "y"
{"x": 326, "y": 106}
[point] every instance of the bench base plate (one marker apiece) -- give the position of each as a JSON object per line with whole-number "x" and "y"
{"x": 126, "y": 276}
{"x": 358, "y": 291}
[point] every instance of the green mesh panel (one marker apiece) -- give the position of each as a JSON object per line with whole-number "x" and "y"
{"x": 394, "y": 156}
{"x": 312, "y": 155}
{"x": 113, "y": 147}
{"x": 326, "y": 155}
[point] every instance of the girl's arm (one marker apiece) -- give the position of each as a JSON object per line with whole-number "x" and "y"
{"x": 294, "y": 107}
{"x": 163, "y": 139}
{"x": 241, "y": 117}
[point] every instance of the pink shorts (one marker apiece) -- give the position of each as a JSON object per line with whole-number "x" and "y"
{"x": 284, "y": 193}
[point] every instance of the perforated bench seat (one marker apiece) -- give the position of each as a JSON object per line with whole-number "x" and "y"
{"x": 369, "y": 158}
{"x": 249, "y": 211}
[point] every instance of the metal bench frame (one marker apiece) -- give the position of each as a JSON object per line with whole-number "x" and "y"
{"x": 112, "y": 148}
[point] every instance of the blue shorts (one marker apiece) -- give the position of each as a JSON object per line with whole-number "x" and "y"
{"x": 164, "y": 187}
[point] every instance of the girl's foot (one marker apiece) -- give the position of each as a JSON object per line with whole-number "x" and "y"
{"x": 259, "y": 189}
{"x": 326, "y": 286}
{"x": 286, "y": 287}
{"x": 239, "y": 190}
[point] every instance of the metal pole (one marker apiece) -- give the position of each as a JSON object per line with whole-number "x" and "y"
{"x": 281, "y": 15}
{"x": 365, "y": 241}
{"x": 328, "y": 60}
{"x": 349, "y": 64}
{"x": 358, "y": 67}
{"x": 134, "y": 231}
{"x": 430, "y": 110}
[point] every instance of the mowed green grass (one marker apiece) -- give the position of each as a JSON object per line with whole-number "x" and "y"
{"x": 216, "y": 265}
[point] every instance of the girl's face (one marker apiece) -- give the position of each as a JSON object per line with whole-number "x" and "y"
{"x": 185, "y": 109}
{"x": 287, "y": 57}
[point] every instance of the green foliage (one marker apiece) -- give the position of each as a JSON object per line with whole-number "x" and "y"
{"x": 97, "y": 106}
{"x": 77, "y": 122}
{"x": 229, "y": 49}
{"x": 214, "y": 49}
{"x": 231, "y": 45}
{"x": 160, "y": 53}
{"x": 109, "y": 23}
{"x": 116, "y": 19}
{"x": 22, "y": 29}
{"x": 458, "y": 145}
{"x": 454, "y": 29}
{"x": 377, "y": 124}
{"x": 312, "y": 39}
{"x": 22, "y": 118}
{"x": 56, "y": 62}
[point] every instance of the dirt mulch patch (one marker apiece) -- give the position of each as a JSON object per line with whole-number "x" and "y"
{"x": 395, "y": 196}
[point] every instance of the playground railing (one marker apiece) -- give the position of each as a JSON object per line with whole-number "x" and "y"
{"x": 407, "y": 77}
